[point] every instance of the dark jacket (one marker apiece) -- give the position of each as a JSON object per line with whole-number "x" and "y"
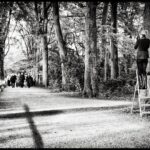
{"x": 142, "y": 45}
{"x": 29, "y": 80}
{"x": 13, "y": 79}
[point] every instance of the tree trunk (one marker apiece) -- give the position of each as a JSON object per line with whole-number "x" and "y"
{"x": 90, "y": 74}
{"x": 1, "y": 51}
{"x": 114, "y": 50}
{"x": 45, "y": 61}
{"x": 45, "y": 48}
{"x": 61, "y": 43}
{"x": 146, "y": 22}
{"x": 3, "y": 16}
{"x": 1, "y": 63}
{"x": 146, "y": 25}
{"x": 36, "y": 47}
{"x": 104, "y": 51}
{"x": 106, "y": 65}
{"x": 36, "y": 63}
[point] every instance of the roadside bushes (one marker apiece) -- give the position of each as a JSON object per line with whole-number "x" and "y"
{"x": 122, "y": 86}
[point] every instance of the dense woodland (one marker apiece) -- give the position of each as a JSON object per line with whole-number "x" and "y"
{"x": 77, "y": 46}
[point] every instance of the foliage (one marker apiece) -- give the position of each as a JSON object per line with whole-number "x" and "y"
{"x": 54, "y": 73}
{"x": 75, "y": 71}
{"x": 122, "y": 86}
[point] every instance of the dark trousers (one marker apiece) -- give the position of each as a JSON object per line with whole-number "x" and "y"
{"x": 142, "y": 77}
{"x": 13, "y": 85}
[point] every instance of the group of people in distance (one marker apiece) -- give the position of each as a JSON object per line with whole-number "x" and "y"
{"x": 20, "y": 80}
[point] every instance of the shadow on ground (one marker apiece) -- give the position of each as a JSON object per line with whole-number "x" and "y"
{"x": 38, "y": 141}
{"x": 35, "y": 113}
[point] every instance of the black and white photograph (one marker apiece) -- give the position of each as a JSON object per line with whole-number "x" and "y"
{"x": 74, "y": 74}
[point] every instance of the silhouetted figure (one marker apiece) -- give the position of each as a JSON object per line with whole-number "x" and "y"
{"x": 29, "y": 81}
{"x": 34, "y": 82}
{"x": 8, "y": 82}
{"x": 13, "y": 80}
{"x": 142, "y": 44}
{"x": 18, "y": 80}
{"x": 21, "y": 80}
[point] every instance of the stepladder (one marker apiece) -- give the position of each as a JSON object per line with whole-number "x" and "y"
{"x": 142, "y": 102}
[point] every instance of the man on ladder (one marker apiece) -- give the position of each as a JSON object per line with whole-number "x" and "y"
{"x": 142, "y": 44}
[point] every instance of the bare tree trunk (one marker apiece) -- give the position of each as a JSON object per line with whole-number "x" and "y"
{"x": 90, "y": 74}
{"x": 45, "y": 61}
{"x": 146, "y": 22}
{"x": 104, "y": 51}
{"x": 106, "y": 65}
{"x": 147, "y": 27}
{"x": 45, "y": 48}
{"x": 1, "y": 51}
{"x": 114, "y": 50}
{"x": 3, "y": 16}
{"x": 61, "y": 43}
{"x": 1, "y": 63}
{"x": 36, "y": 52}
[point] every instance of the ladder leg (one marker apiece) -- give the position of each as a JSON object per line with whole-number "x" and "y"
{"x": 140, "y": 106}
{"x": 133, "y": 99}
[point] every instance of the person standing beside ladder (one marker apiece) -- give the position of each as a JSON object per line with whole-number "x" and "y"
{"x": 142, "y": 44}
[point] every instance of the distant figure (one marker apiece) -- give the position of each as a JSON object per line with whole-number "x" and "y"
{"x": 18, "y": 80}
{"x": 8, "y": 82}
{"x": 29, "y": 81}
{"x": 13, "y": 80}
{"x": 34, "y": 81}
{"x": 21, "y": 80}
{"x": 142, "y": 44}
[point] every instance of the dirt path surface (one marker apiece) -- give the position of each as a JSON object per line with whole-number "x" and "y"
{"x": 13, "y": 99}
{"x": 88, "y": 128}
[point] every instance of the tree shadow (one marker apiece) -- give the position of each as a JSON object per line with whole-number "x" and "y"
{"x": 16, "y": 115}
{"x": 35, "y": 133}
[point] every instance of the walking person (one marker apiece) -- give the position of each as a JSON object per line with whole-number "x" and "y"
{"x": 29, "y": 81}
{"x": 21, "y": 80}
{"x": 18, "y": 80}
{"x": 142, "y": 44}
{"x": 13, "y": 80}
{"x": 8, "y": 80}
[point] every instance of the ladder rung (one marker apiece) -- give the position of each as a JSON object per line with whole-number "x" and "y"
{"x": 145, "y": 104}
{"x": 148, "y": 112}
{"x": 144, "y": 97}
{"x": 143, "y": 101}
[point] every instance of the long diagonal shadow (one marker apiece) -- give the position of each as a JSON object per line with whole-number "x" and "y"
{"x": 35, "y": 133}
{"x": 34, "y": 113}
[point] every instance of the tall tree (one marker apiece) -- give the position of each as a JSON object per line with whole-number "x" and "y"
{"x": 146, "y": 22}
{"x": 45, "y": 45}
{"x": 61, "y": 43}
{"x": 4, "y": 25}
{"x": 113, "y": 42}
{"x": 90, "y": 73}
{"x": 37, "y": 17}
{"x": 104, "y": 50}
